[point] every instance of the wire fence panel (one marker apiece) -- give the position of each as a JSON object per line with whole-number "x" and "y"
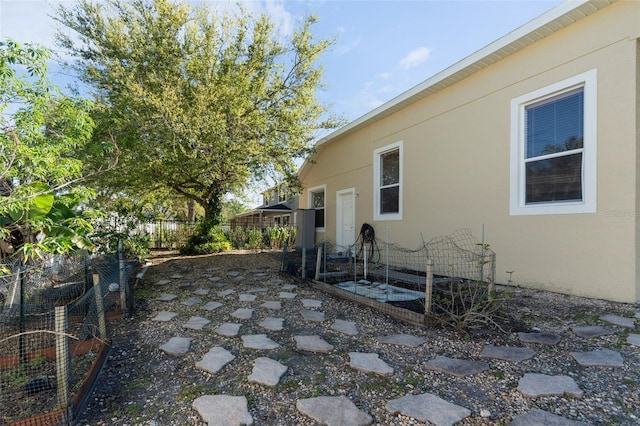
{"x": 54, "y": 334}
{"x": 407, "y": 281}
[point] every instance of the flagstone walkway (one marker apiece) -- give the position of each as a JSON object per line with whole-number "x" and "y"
{"x": 268, "y": 297}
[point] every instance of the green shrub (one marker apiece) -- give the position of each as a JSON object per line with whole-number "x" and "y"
{"x": 206, "y": 240}
{"x": 245, "y": 238}
{"x": 255, "y": 239}
{"x": 278, "y": 236}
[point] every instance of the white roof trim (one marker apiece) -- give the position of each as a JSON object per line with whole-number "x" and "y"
{"x": 546, "y": 24}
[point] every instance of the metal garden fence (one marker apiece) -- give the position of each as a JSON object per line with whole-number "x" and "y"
{"x": 54, "y": 334}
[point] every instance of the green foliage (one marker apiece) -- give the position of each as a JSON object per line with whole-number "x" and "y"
{"x": 278, "y": 236}
{"x": 201, "y": 103}
{"x": 207, "y": 239}
{"x": 40, "y": 134}
{"x": 246, "y": 238}
{"x": 109, "y": 231}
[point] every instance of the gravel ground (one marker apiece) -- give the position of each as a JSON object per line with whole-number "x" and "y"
{"x": 140, "y": 384}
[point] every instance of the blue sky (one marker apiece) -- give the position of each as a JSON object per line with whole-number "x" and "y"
{"x": 382, "y": 49}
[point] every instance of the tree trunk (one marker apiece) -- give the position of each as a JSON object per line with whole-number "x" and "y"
{"x": 191, "y": 211}
{"x": 213, "y": 209}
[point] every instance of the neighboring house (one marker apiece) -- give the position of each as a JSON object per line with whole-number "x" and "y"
{"x": 535, "y": 137}
{"x": 277, "y": 209}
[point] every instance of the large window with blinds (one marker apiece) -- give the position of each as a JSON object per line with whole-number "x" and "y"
{"x": 553, "y": 148}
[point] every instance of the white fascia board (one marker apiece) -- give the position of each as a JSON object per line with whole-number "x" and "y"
{"x": 504, "y": 42}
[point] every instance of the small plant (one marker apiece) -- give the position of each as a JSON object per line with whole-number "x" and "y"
{"x": 470, "y": 303}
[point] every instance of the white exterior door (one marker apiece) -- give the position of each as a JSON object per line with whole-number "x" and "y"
{"x": 345, "y": 217}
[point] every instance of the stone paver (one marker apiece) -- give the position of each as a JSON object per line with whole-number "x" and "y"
{"x": 167, "y": 297}
{"x": 176, "y": 276}
{"x": 267, "y": 371}
{"x": 215, "y": 279}
{"x": 233, "y": 274}
{"x": 225, "y": 293}
{"x": 242, "y": 313}
{"x": 543, "y": 338}
{"x": 311, "y": 303}
{"x": 202, "y": 291}
{"x": 196, "y": 323}
{"x": 273, "y": 324}
{"x": 634, "y": 339}
{"x": 287, "y": 295}
{"x": 535, "y": 385}
{"x": 598, "y": 357}
{"x": 427, "y": 407}
{"x": 333, "y": 411}
{"x": 244, "y": 297}
{"x": 346, "y": 327}
{"x": 507, "y": 353}
{"x": 403, "y": 340}
{"x": 229, "y": 329}
{"x": 618, "y": 320}
{"x": 164, "y": 316}
{"x": 223, "y": 410}
{"x": 177, "y": 346}
{"x": 277, "y": 281}
{"x": 271, "y": 304}
{"x": 369, "y": 363}
{"x": 313, "y": 315}
{"x": 457, "y": 367}
{"x": 312, "y": 344}
{"x": 210, "y": 306}
{"x": 289, "y": 286}
{"x": 163, "y": 282}
{"x": 258, "y": 341}
{"x": 214, "y": 360}
{"x": 538, "y": 417}
{"x": 591, "y": 331}
{"x": 192, "y": 301}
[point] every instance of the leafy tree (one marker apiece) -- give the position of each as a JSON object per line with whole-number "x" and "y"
{"x": 201, "y": 103}
{"x": 40, "y": 176}
{"x": 231, "y": 208}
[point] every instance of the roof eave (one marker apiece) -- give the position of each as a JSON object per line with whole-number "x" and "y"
{"x": 544, "y": 25}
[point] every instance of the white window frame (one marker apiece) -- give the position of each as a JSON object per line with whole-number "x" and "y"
{"x": 310, "y": 203}
{"x": 282, "y": 195}
{"x": 517, "y": 205}
{"x": 377, "y": 215}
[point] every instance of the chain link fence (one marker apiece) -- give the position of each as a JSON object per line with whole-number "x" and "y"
{"x": 54, "y": 333}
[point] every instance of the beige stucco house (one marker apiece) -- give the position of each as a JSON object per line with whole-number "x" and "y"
{"x": 535, "y": 137}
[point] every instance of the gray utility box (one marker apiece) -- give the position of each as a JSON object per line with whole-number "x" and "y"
{"x": 306, "y": 232}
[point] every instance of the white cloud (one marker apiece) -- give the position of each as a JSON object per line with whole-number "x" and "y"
{"x": 280, "y": 16}
{"x": 385, "y": 75}
{"x": 415, "y": 58}
{"x": 368, "y": 97}
{"x": 344, "y": 48}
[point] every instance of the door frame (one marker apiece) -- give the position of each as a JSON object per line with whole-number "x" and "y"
{"x": 339, "y": 212}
